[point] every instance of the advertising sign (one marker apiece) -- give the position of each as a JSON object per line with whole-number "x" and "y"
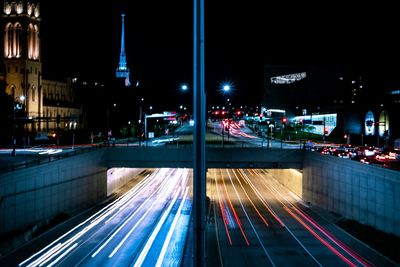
{"x": 369, "y": 123}
{"x": 383, "y": 124}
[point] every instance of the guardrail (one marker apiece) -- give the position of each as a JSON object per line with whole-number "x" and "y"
{"x": 25, "y": 161}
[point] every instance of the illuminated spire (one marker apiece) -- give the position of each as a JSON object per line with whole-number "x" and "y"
{"x": 123, "y": 70}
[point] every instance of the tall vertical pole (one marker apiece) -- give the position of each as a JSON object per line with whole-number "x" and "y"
{"x": 145, "y": 129}
{"x": 199, "y": 111}
{"x": 13, "y": 123}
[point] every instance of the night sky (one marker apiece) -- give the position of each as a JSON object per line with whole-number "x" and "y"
{"x": 82, "y": 38}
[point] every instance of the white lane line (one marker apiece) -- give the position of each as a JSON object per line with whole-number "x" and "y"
{"x": 171, "y": 230}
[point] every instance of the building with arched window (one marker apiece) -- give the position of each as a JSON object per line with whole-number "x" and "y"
{"x": 47, "y": 104}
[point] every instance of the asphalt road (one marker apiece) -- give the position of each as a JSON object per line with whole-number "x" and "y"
{"x": 252, "y": 221}
{"x": 147, "y": 226}
{"x": 258, "y": 222}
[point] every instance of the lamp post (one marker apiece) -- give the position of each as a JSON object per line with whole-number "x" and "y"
{"x": 15, "y": 107}
{"x": 226, "y": 88}
{"x": 182, "y": 107}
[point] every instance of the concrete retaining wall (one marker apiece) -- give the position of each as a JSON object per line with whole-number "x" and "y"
{"x": 118, "y": 177}
{"x": 292, "y": 179}
{"x": 368, "y": 194}
{"x": 30, "y": 195}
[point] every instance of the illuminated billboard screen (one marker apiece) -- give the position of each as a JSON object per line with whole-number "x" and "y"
{"x": 383, "y": 123}
{"x": 369, "y": 123}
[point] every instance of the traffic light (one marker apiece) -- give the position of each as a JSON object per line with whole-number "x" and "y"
{"x": 301, "y": 121}
{"x": 284, "y": 120}
{"x": 326, "y": 131}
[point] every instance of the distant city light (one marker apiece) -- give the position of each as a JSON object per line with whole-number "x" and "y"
{"x": 395, "y": 92}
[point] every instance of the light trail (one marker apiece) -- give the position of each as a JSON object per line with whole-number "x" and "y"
{"x": 125, "y": 222}
{"x": 124, "y": 200}
{"x": 171, "y": 230}
{"x": 251, "y": 224}
{"x": 288, "y": 204}
{"x": 222, "y": 210}
{"x": 63, "y": 255}
{"x": 55, "y": 251}
{"x": 319, "y": 238}
{"x": 155, "y": 232}
{"x": 284, "y": 225}
{"x": 217, "y": 236}
{"x": 234, "y": 212}
{"x": 252, "y": 203}
{"x": 306, "y": 217}
{"x": 261, "y": 198}
{"x": 351, "y": 253}
{"x": 168, "y": 181}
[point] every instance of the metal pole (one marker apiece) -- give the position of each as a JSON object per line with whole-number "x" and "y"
{"x": 145, "y": 129}
{"x": 13, "y": 139}
{"x": 199, "y": 111}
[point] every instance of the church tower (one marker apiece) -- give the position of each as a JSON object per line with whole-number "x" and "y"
{"x": 123, "y": 70}
{"x": 21, "y": 54}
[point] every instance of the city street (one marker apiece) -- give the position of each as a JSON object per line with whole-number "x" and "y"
{"x": 258, "y": 222}
{"x": 146, "y": 225}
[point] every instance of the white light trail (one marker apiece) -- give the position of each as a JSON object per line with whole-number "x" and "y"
{"x": 142, "y": 218}
{"x": 126, "y": 221}
{"x": 155, "y": 232}
{"x": 99, "y": 213}
{"x": 171, "y": 230}
{"x": 62, "y": 255}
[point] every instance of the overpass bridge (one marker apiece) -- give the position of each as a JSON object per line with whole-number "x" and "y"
{"x": 368, "y": 194}
{"x": 216, "y": 157}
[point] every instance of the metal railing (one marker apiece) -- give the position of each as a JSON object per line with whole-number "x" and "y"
{"x": 25, "y": 161}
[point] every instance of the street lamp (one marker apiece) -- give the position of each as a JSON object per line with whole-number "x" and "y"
{"x": 16, "y": 105}
{"x": 182, "y": 96}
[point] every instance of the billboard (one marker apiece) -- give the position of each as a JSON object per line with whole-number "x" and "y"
{"x": 369, "y": 123}
{"x": 383, "y": 123}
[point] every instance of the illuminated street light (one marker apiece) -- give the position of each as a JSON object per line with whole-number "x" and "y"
{"x": 16, "y": 105}
{"x": 184, "y": 87}
{"x": 226, "y": 88}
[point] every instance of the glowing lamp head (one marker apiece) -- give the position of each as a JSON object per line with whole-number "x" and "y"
{"x": 226, "y": 88}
